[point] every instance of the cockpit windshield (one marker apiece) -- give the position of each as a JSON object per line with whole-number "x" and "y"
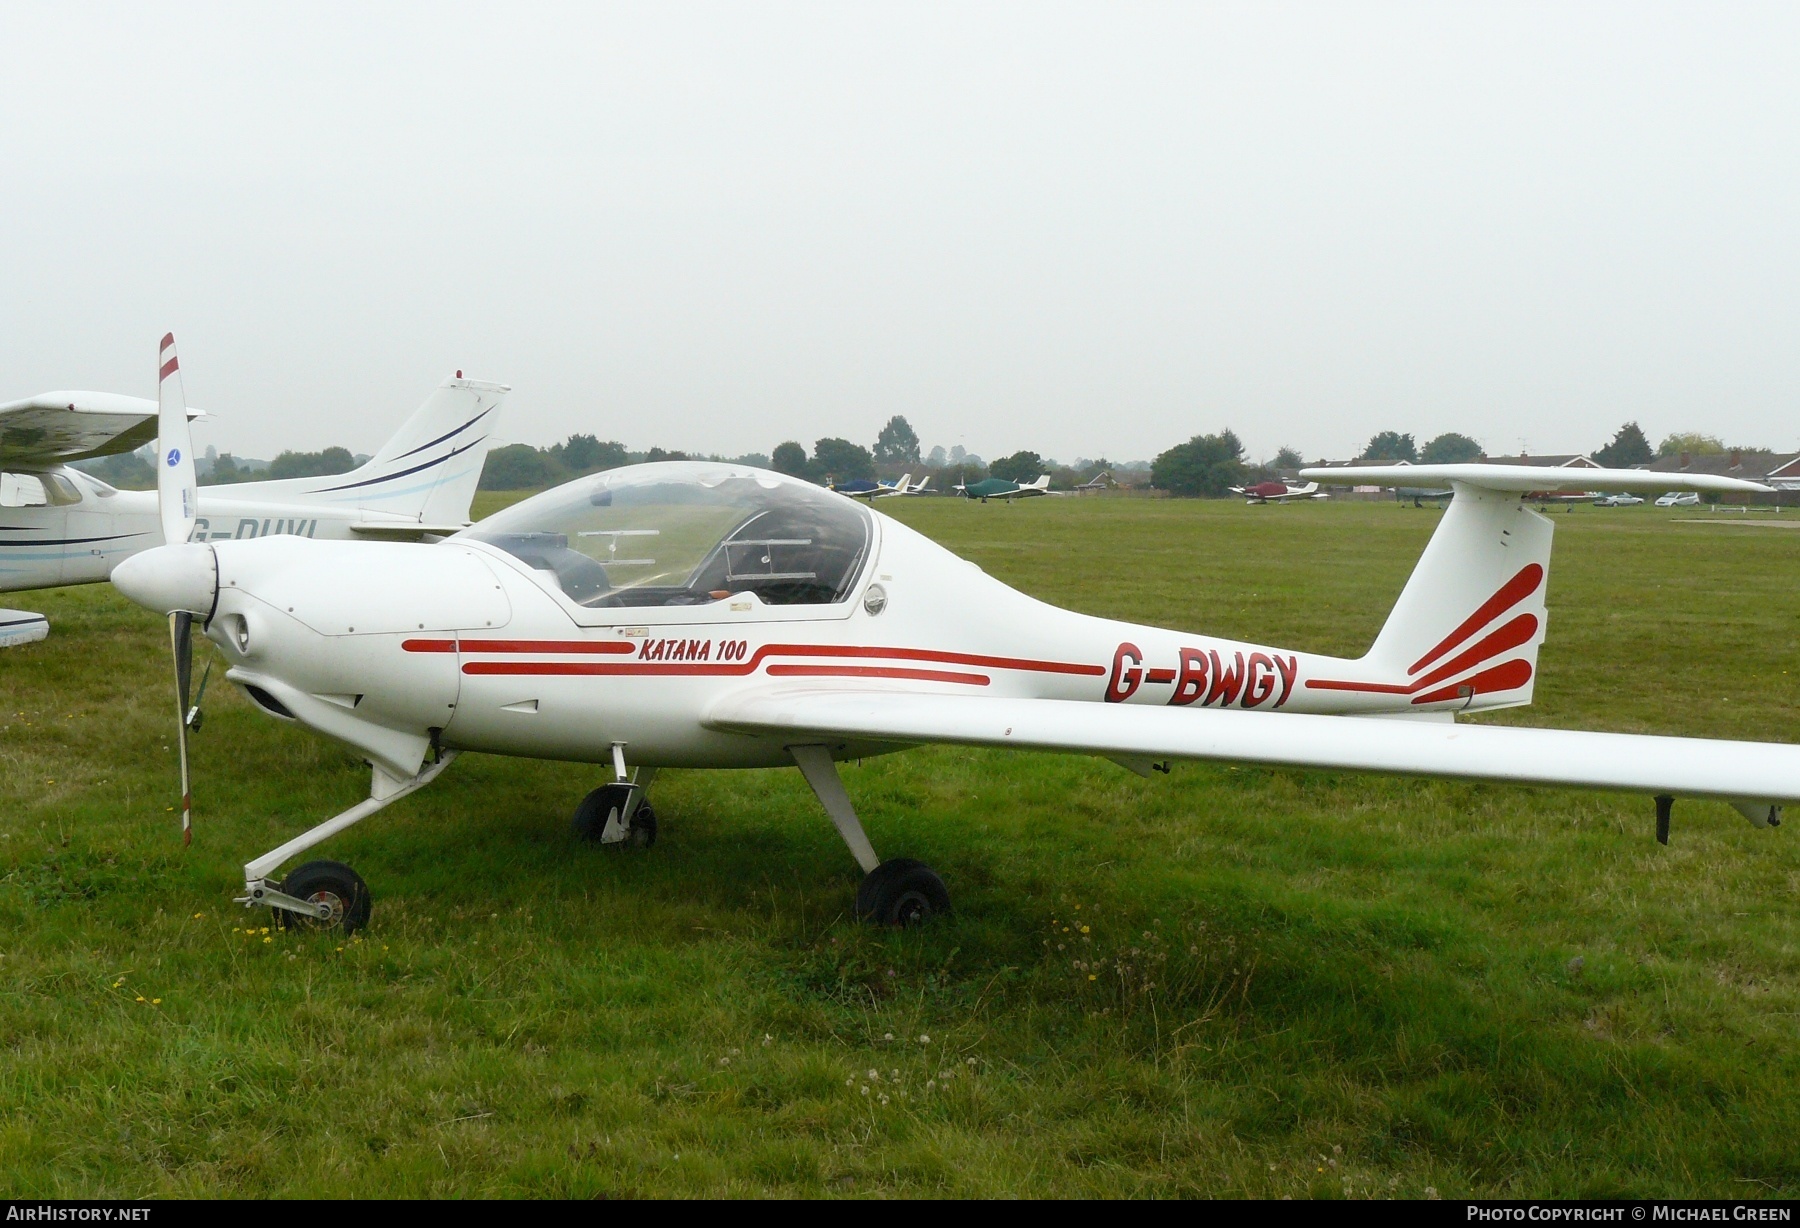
{"x": 687, "y": 533}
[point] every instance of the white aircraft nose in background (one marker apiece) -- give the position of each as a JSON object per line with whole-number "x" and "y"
{"x": 60, "y": 525}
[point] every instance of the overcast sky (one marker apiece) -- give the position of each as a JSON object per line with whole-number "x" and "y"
{"x": 1086, "y": 230}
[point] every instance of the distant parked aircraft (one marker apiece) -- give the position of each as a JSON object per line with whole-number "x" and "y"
{"x": 1418, "y": 494}
{"x": 1278, "y": 492}
{"x": 1000, "y": 488}
{"x": 865, "y": 489}
{"x": 1100, "y": 481}
{"x": 59, "y": 525}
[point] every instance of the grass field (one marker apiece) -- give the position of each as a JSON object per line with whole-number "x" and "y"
{"x": 1224, "y": 982}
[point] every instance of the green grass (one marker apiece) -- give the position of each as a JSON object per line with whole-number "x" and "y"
{"x": 1287, "y": 983}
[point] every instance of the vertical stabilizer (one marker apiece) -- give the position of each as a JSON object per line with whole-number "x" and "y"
{"x": 1467, "y": 627}
{"x": 426, "y": 473}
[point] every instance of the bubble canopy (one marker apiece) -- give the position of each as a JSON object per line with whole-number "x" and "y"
{"x": 686, "y": 533}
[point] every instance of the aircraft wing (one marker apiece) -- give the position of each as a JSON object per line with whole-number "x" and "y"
{"x": 54, "y": 428}
{"x": 1527, "y": 478}
{"x": 1764, "y": 773}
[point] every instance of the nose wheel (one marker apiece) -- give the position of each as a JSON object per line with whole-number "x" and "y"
{"x": 336, "y": 888}
{"x": 616, "y": 814}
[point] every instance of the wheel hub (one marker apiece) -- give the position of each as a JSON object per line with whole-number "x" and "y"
{"x": 332, "y": 900}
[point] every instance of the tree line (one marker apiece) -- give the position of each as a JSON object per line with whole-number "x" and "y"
{"x": 1206, "y": 466}
{"x": 895, "y": 452}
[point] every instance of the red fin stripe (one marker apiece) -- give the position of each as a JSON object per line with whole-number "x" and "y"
{"x": 169, "y": 368}
{"x": 875, "y": 671}
{"x": 1509, "y": 594}
{"x": 168, "y": 340}
{"x": 1507, "y": 676}
{"x": 1518, "y": 631}
{"x": 428, "y": 645}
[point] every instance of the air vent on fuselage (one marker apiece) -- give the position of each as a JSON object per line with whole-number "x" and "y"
{"x": 268, "y": 703}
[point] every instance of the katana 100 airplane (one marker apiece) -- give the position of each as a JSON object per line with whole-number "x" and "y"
{"x": 704, "y": 615}
{"x": 59, "y": 525}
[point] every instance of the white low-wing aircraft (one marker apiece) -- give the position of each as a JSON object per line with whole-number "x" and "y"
{"x": 59, "y": 525}
{"x": 713, "y": 615}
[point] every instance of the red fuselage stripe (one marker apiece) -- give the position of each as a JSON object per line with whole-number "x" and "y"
{"x": 620, "y": 648}
{"x": 875, "y": 671}
{"x": 601, "y": 667}
{"x": 559, "y": 647}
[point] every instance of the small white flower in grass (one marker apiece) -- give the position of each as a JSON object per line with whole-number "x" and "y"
{"x": 884, "y": 1100}
{"x": 887, "y": 1036}
{"x": 851, "y": 1082}
{"x": 875, "y": 1076}
{"x": 924, "y": 1039}
{"x": 863, "y": 1090}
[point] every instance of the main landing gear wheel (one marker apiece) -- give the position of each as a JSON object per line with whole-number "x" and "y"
{"x": 603, "y": 806}
{"x": 326, "y": 882}
{"x": 901, "y": 893}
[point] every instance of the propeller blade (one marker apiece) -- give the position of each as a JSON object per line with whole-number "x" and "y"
{"x": 193, "y": 713}
{"x": 177, "y": 489}
{"x": 181, "y": 642}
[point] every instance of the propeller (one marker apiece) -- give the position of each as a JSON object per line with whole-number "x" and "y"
{"x": 177, "y": 499}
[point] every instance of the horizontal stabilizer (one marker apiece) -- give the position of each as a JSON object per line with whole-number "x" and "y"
{"x": 21, "y": 627}
{"x": 1525, "y": 478}
{"x": 403, "y": 529}
{"x": 1764, "y": 772}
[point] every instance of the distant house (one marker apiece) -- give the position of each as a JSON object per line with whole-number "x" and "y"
{"x": 1557, "y": 460}
{"x": 1786, "y": 475}
{"x": 1778, "y": 469}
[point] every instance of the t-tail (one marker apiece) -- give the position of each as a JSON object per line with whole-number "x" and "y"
{"x": 1466, "y": 630}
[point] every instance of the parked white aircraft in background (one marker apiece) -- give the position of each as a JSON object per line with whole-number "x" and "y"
{"x": 59, "y": 525}
{"x": 1278, "y": 491}
{"x": 700, "y": 614}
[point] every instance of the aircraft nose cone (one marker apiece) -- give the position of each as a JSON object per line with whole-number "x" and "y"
{"x": 171, "y": 578}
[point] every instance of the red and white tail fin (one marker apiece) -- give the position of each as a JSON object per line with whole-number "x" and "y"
{"x": 1468, "y": 624}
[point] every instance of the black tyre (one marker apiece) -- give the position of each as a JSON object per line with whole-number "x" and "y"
{"x": 598, "y": 807}
{"x": 643, "y": 826}
{"x": 902, "y": 893}
{"x": 332, "y": 883}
